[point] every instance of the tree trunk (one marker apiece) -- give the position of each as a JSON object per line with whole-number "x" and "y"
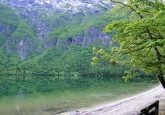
{"x": 161, "y": 79}
{"x": 159, "y": 67}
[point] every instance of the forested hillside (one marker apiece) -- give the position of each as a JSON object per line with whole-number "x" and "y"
{"x": 51, "y": 44}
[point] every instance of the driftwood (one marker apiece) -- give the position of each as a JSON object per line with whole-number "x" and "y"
{"x": 152, "y": 109}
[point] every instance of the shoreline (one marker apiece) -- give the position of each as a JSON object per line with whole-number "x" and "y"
{"x": 131, "y": 105}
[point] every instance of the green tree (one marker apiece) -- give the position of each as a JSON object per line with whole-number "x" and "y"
{"x": 140, "y": 36}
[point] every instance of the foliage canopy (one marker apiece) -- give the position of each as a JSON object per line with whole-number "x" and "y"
{"x": 140, "y": 36}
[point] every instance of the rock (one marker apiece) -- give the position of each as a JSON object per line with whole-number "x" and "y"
{"x": 25, "y": 47}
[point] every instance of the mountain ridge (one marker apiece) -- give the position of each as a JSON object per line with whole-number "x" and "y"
{"x": 75, "y": 6}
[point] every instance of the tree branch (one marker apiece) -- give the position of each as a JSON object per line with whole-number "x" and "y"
{"x": 133, "y": 9}
{"x": 160, "y": 72}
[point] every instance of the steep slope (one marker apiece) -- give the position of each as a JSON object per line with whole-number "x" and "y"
{"x": 47, "y": 15}
{"x": 16, "y": 36}
{"x": 29, "y": 28}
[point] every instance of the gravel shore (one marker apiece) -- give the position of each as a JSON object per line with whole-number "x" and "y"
{"x": 128, "y": 106}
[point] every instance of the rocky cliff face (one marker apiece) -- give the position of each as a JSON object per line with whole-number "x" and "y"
{"x": 61, "y": 5}
{"x": 47, "y": 16}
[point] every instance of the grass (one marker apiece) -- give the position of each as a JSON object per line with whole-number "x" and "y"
{"x": 70, "y": 99}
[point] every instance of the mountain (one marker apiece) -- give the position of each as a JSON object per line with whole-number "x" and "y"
{"x": 60, "y": 5}
{"x": 41, "y": 41}
{"x": 30, "y": 27}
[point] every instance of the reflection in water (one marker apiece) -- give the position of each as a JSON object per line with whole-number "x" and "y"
{"x": 19, "y": 98}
